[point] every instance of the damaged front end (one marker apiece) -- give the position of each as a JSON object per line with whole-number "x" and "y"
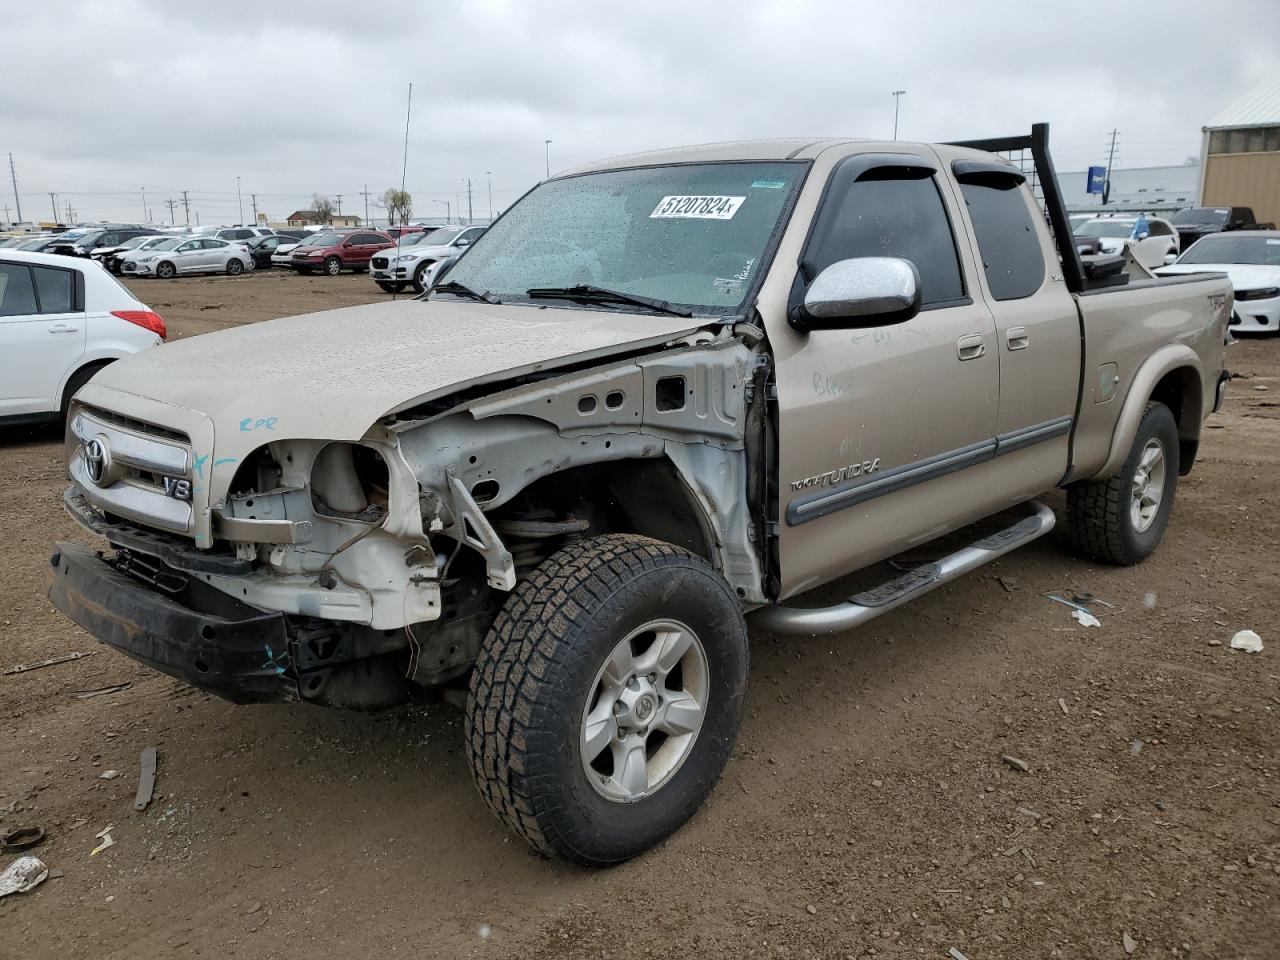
{"x": 353, "y": 573}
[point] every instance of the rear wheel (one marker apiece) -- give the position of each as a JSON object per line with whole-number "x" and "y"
{"x": 1123, "y": 518}
{"x": 333, "y": 266}
{"x": 165, "y": 270}
{"x": 606, "y": 698}
{"x": 234, "y": 267}
{"x": 78, "y": 380}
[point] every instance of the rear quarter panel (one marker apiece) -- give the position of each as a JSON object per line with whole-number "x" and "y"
{"x": 1134, "y": 336}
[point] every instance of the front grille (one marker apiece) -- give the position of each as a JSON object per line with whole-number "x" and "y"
{"x": 381, "y": 262}
{"x": 138, "y": 426}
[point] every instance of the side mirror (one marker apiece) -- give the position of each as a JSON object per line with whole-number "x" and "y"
{"x": 1170, "y": 258}
{"x": 1143, "y": 235}
{"x": 862, "y": 292}
{"x": 462, "y": 243}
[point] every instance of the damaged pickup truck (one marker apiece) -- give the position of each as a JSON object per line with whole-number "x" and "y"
{"x": 660, "y": 394}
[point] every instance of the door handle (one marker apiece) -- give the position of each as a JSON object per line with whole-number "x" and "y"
{"x": 62, "y": 328}
{"x": 1016, "y": 338}
{"x": 971, "y": 347}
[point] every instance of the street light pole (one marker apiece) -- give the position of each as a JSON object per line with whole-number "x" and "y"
{"x": 897, "y": 98}
{"x": 489, "y": 174}
{"x": 145, "y": 218}
{"x": 240, "y": 200}
{"x": 548, "y": 145}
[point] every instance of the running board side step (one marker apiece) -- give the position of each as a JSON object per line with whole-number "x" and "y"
{"x": 869, "y": 604}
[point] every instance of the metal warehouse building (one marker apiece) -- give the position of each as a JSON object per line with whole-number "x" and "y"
{"x": 1241, "y": 154}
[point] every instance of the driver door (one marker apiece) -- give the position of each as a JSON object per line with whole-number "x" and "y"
{"x": 884, "y": 433}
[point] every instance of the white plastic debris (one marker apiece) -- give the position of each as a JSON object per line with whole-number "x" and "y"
{"x": 1248, "y": 641}
{"x": 1086, "y": 619}
{"x": 107, "y": 841}
{"x": 22, "y": 875}
{"x": 108, "y": 774}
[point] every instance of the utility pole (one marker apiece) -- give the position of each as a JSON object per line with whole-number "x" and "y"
{"x": 897, "y": 99}
{"x": 1111, "y": 156}
{"x": 186, "y": 209}
{"x": 240, "y": 200}
{"x": 339, "y": 204}
{"x": 365, "y": 193}
{"x": 70, "y": 216}
{"x": 470, "y": 214}
{"x": 145, "y": 218}
{"x": 253, "y": 197}
{"x": 53, "y": 202}
{"x": 171, "y": 204}
{"x": 489, "y": 174}
{"x": 6, "y": 214}
{"x": 547, "y": 143}
{"x": 14, "y": 177}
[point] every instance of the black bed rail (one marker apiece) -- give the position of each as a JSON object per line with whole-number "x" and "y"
{"x": 1043, "y": 180}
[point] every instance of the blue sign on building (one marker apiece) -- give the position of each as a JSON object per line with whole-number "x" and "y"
{"x": 1097, "y": 180}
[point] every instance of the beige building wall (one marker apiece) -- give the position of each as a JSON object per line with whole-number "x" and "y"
{"x": 1244, "y": 180}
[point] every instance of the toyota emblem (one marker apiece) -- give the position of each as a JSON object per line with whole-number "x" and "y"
{"x": 97, "y": 459}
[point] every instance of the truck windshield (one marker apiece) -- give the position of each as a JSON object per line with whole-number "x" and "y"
{"x": 1233, "y": 248}
{"x": 1216, "y": 216}
{"x": 693, "y": 235}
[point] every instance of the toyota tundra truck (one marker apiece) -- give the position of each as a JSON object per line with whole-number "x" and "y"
{"x": 661, "y": 398}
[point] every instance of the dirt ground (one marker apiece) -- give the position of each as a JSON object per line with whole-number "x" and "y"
{"x": 866, "y": 812}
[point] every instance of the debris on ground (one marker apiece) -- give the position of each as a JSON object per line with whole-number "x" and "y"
{"x": 1010, "y": 584}
{"x": 1130, "y": 944}
{"x": 107, "y": 841}
{"x": 21, "y": 838}
{"x": 1063, "y": 705}
{"x": 956, "y": 954}
{"x": 22, "y": 875}
{"x": 108, "y": 774}
{"x": 1248, "y": 641}
{"x": 146, "y": 779}
{"x": 102, "y": 691}
{"x": 1020, "y": 765}
{"x": 1085, "y": 618}
{"x": 52, "y": 661}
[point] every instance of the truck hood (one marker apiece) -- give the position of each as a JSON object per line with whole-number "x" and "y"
{"x": 1243, "y": 276}
{"x": 331, "y": 375}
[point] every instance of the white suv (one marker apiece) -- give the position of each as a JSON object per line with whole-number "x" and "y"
{"x": 61, "y": 321}
{"x": 410, "y": 262}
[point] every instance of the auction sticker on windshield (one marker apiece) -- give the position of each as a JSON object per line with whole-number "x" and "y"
{"x": 696, "y": 208}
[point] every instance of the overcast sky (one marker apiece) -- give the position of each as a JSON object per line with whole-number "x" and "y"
{"x": 99, "y": 100}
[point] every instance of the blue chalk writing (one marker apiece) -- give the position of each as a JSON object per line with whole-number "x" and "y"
{"x": 262, "y": 423}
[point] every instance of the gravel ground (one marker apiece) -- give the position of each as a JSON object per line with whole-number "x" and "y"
{"x": 866, "y": 812}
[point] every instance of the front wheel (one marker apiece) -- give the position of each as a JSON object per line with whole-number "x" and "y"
{"x": 1123, "y": 518}
{"x": 333, "y": 266}
{"x": 606, "y": 698}
{"x": 166, "y": 270}
{"x": 420, "y": 277}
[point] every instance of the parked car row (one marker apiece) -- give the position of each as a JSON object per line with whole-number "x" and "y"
{"x": 1251, "y": 261}
{"x": 410, "y": 261}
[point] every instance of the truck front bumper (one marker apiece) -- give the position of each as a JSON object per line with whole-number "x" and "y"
{"x": 244, "y": 660}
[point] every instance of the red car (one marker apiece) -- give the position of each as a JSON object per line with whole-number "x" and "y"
{"x": 332, "y": 251}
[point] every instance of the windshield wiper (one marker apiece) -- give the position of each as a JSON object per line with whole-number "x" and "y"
{"x": 462, "y": 290}
{"x": 588, "y": 293}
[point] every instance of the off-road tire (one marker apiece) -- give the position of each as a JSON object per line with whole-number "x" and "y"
{"x": 333, "y": 266}
{"x": 535, "y": 672}
{"x": 1099, "y": 522}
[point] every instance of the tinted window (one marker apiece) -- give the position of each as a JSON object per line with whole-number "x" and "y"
{"x": 1157, "y": 229}
{"x": 55, "y": 289}
{"x": 368, "y": 238}
{"x": 889, "y": 212}
{"x": 17, "y": 296}
{"x": 1007, "y": 240}
{"x": 472, "y": 235}
{"x": 108, "y": 240}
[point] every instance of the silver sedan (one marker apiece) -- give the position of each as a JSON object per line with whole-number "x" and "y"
{"x": 190, "y": 255}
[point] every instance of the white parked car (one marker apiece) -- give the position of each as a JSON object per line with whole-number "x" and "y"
{"x": 188, "y": 255}
{"x": 398, "y": 267}
{"x": 61, "y": 321}
{"x": 1152, "y": 240}
{"x": 282, "y": 256}
{"x": 1251, "y": 260}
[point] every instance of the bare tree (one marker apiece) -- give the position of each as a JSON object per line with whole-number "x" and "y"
{"x": 323, "y": 207}
{"x": 398, "y": 204}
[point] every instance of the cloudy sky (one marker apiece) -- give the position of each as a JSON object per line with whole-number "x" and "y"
{"x": 99, "y": 101}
